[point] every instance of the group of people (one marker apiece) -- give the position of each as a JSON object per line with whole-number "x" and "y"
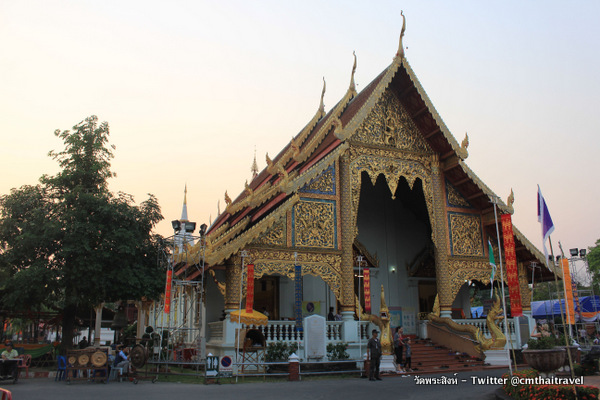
{"x": 332, "y": 316}
{"x": 402, "y": 346}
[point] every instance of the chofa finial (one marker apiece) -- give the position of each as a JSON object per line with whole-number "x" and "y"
{"x": 510, "y": 201}
{"x": 322, "y": 105}
{"x": 400, "y": 52}
{"x": 352, "y": 85}
{"x": 254, "y": 167}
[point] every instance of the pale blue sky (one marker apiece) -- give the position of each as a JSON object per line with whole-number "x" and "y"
{"x": 191, "y": 88}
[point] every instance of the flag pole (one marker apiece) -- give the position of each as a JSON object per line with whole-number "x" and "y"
{"x": 566, "y": 335}
{"x": 494, "y": 200}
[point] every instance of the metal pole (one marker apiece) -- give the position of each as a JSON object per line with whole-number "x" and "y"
{"x": 533, "y": 267}
{"x": 244, "y": 254}
{"x": 203, "y": 298}
{"x": 360, "y": 275}
{"x": 495, "y": 199}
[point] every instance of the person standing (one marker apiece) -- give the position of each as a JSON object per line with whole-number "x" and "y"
{"x": 408, "y": 363}
{"x": 331, "y": 315}
{"x": 374, "y": 356}
{"x": 398, "y": 347}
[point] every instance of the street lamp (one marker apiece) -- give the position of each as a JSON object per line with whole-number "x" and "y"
{"x": 176, "y": 226}
{"x": 574, "y": 252}
{"x": 189, "y": 226}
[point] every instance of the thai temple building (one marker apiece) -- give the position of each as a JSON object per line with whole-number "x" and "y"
{"x": 376, "y": 183}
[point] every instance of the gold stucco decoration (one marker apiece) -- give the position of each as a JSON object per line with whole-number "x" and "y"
{"x": 324, "y": 183}
{"x": 455, "y": 198}
{"x": 324, "y": 265}
{"x": 274, "y": 236}
{"x": 466, "y": 235}
{"x": 390, "y": 125}
{"x": 387, "y": 162}
{"x": 314, "y": 224}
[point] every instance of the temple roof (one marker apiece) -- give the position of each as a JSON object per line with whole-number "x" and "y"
{"x": 274, "y": 190}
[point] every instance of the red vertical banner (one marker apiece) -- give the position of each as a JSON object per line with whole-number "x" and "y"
{"x": 168, "y": 292}
{"x": 367, "y": 289}
{"x": 250, "y": 288}
{"x": 512, "y": 273}
{"x": 569, "y": 311}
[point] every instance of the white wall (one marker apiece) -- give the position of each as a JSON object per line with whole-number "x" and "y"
{"x": 390, "y": 229}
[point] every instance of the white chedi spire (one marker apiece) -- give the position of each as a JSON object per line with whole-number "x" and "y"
{"x": 184, "y": 215}
{"x": 183, "y": 238}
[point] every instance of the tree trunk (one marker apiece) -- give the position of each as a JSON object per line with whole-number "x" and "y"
{"x": 68, "y": 325}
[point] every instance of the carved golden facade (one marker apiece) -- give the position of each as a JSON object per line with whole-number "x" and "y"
{"x": 466, "y": 234}
{"x": 454, "y": 198}
{"x": 327, "y": 266}
{"x": 306, "y": 201}
{"x": 314, "y": 223}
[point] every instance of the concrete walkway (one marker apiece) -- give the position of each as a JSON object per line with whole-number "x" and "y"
{"x": 465, "y": 386}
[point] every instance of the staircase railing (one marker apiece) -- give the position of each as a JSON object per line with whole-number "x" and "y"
{"x": 456, "y": 340}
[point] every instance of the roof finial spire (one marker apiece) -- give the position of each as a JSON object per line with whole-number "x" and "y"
{"x": 322, "y": 105}
{"x": 254, "y": 167}
{"x": 184, "y": 215}
{"x": 400, "y": 52}
{"x": 352, "y": 85}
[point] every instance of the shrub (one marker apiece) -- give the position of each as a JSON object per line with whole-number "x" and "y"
{"x": 543, "y": 343}
{"x": 337, "y": 351}
{"x": 280, "y": 351}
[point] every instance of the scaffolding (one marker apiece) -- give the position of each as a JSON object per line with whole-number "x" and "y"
{"x": 178, "y": 321}
{"x": 583, "y": 332}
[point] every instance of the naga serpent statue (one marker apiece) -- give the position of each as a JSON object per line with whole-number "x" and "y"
{"x": 497, "y": 341}
{"x": 382, "y": 321}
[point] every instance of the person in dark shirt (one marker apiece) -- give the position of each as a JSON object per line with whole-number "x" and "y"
{"x": 374, "y": 355}
{"x": 331, "y": 315}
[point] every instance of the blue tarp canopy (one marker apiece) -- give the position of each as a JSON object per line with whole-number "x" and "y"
{"x": 590, "y": 305}
{"x": 476, "y": 312}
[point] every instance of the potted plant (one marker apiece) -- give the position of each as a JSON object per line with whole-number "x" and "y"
{"x": 543, "y": 354}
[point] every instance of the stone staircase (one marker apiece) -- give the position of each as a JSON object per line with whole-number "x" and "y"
{"x": 429, "y": 358}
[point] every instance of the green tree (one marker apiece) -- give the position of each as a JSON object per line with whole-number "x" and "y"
{"x": 70, "y": 241}
{"x": 593, "y": 259}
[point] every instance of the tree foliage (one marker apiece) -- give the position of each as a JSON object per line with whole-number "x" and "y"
{"x": 593, "y": 259}
{"x": 70, "y": 241}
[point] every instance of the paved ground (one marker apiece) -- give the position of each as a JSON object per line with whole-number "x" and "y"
{"x": 326, "y": 389}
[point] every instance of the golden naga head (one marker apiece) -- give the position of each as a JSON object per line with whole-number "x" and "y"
{"x": 384, "y": 311}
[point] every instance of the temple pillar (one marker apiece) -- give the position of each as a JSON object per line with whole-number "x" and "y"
{"x": 232, "y": 288}
{"x": 440, "y": 240}
{"x": 347, "y": 238}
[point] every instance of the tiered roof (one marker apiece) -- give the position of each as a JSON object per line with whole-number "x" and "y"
{"x": 274, "y": 190}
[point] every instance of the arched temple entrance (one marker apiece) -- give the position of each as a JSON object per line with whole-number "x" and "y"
{"x": 396, "y": 228}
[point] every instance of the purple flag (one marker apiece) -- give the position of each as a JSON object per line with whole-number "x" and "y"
{"x": 545, "y": 219}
